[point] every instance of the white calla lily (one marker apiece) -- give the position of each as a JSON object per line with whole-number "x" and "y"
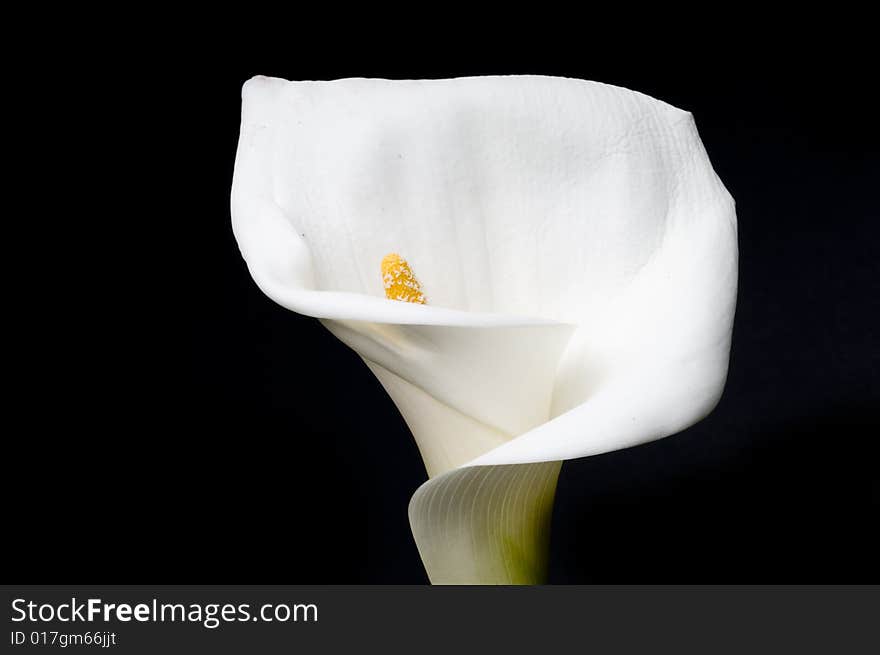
{"x": 578, "y": 256}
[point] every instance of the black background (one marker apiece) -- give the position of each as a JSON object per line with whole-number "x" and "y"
{"x": 187, "y": 429}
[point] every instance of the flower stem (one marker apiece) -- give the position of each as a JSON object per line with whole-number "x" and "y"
{"x": 486, "y": 524}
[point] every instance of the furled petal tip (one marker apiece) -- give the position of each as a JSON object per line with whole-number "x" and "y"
{"x": 576, "y": 250}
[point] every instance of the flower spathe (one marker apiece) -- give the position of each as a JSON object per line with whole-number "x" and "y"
{"x": 579, "y": 257}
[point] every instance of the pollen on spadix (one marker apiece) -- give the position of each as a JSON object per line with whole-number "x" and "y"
{"x": 399, "y": 281}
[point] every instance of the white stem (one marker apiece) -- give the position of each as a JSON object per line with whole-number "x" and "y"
{"x": 486, "y": 524}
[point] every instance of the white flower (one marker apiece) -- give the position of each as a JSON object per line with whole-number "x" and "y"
{"x": 576, "y": 250}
